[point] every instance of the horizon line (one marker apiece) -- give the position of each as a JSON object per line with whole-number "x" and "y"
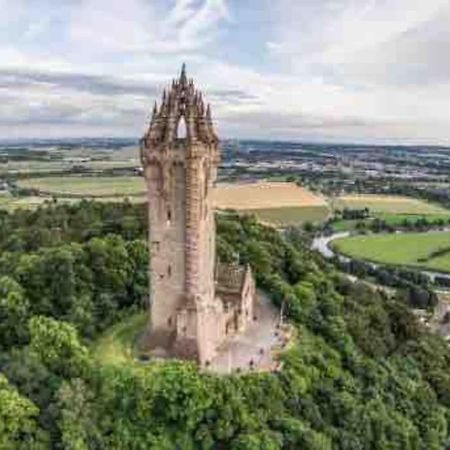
{"x": 278, "y": 140}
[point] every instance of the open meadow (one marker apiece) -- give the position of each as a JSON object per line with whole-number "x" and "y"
{"x": 54, "y": 159}
{"x": 263, "y": 195}
{"x": 391, "y": 209}
{"x": 279, "y": 203}
{"x": 389, "y": 204}
{"x": 29, "y": 202}
{"x": 428, "y": 250}
{"x": 291, "y": 215}
{"x": 87, "y": 186}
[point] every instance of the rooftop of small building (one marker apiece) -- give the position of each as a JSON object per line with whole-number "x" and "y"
{"x": 230, "y": 276}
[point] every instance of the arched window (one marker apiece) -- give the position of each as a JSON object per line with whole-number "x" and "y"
{"x": 181, "y": 128}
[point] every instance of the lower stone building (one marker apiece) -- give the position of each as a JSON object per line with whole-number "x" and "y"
{"x": 234, "y": 307}
{"x": 235, "y": 288}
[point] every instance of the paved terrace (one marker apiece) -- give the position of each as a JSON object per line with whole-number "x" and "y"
{"x": 256, "y": 348}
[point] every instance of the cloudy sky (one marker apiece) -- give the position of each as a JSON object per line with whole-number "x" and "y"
{"x": 307, "y": 70}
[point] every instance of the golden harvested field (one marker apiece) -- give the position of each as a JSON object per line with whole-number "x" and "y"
{"x": 264, "y": 195}
{"x": 388, "y": 204}
{"x": 278, "y": 203}
{"x": 233, "y": 196}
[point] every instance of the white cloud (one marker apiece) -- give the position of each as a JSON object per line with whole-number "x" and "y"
{"x": 146, "y": 27}
{"x": 203, "y": 21}
{"x": 327, "y": 31}
{"x": 343, "y": 70}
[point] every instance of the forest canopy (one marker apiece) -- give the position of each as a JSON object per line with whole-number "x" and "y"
{"x": 362, "y": 374}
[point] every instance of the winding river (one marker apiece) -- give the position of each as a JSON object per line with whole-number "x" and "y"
{"x": 322, "y": 245}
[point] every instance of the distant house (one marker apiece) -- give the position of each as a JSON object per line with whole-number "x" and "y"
{"x": 4, "y": 187}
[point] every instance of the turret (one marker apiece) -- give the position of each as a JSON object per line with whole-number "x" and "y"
{"x": 209, "y": 124}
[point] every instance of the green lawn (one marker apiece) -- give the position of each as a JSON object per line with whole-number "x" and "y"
{"x": 117, "y": 344}
{"x": 127, "y": 157}
{"x": 295, "y": 215}
{"x": 87, "y": 186}
{"x": 31, "y": 202}
{"x": 390, "y": 219}
{"x": 10, "y": 203}
{"x": 409, "y": 249}
{"x": 396, "y": 219}
{"x": 389, "y": 204}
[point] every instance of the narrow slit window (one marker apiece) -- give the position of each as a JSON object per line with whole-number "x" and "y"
{"x": 182, "y": 128}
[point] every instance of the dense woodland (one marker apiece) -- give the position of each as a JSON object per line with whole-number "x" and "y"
{"x": 361, "y": 374}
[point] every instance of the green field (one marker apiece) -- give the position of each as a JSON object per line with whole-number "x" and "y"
{"x": 87, "y": 186}
{"x": 117, "y": 344}
{"x": 390, "y": 219}
{"x": 10, "y": 203}
{"x": 31, "y": 202}
{"x": 389, "y": 204}
{"x": 60, "y": 160}
{"x": 397, "y": 219}
{"x": 294, "y": 215}
{"x": 390, "y": 208}
{"x": 409, "y": 249}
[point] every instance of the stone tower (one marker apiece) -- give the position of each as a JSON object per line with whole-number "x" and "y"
{"x": 180, "y": 155}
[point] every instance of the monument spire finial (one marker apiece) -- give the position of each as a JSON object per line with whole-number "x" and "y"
{"x": 183, "y": 78}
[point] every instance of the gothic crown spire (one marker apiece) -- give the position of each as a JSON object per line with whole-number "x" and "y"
{"x": 181, "y": 101}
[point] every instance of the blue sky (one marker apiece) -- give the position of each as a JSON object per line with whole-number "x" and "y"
{"x": 314, "y": 70}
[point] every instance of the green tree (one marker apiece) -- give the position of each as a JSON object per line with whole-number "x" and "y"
{"x": 77, "y": 421}
{"x": 19, "y": 429}
{"x": 14, "y": 313}
{"x": 56, "y": 344}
